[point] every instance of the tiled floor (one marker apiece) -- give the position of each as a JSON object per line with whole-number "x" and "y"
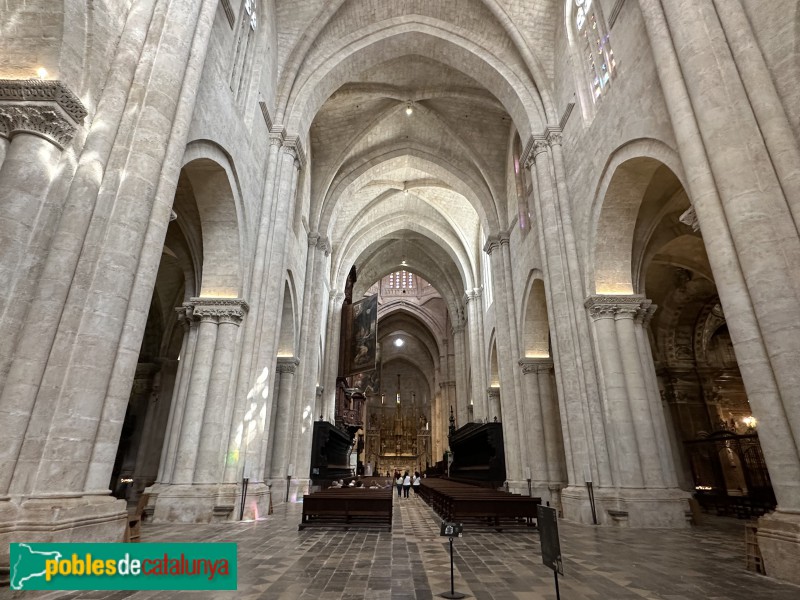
{"x": 278, "y": 562}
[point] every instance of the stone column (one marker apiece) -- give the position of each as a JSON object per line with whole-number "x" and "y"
{"x": 37, "y": 120}
{"x": 178, "y": 404}
{"x": 752, "y": 252}
{"x": 582, "y": 422}
{"x": 461, "y": 392}
{"x": 477, "y": 353}
{"x": 290, "y": 160}
{"x": 551, "y": 421}
{"x": 192, "y": 493}
{"x": 303, "y": 410}
{"x": 513, "y": 428}
{"x": 252, "y": 380}
{"x": 211, "y": 451}
{"x": 196, "y": 396}
{"x": 644, "y": 495}
{"x": 332, "y": 338}
{"x": 535, "y": 463}
{"x": 281, "y": 452}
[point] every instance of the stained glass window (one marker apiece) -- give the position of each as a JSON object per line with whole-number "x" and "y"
{"x": 597, "y": 57}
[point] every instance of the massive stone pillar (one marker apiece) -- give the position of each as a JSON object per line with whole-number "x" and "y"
{"x": 709, "y": 72}
{"x": 64, "y": 399}
{"x": 303, "y": 410}
{"x": 290, "y": 160}
{"x": 508, "y": 347}
{"x": 583, "y": 427}
{"x": 38, "y": 119}
{"x": 473, "y": 299}
{"x": 645, "y": 489}
{"x": 194, "y": 492}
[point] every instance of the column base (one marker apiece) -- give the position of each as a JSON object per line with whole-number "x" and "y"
{"x": 206, "y": 503}
{"x": 625, "y": 507}
{"x": 779, "y": 542}
{"x": 54, "y": 518}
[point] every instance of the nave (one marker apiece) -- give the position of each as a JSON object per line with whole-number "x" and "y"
{"x": 278, "y": 562}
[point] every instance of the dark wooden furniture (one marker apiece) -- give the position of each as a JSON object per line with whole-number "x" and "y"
{"x": 330, "y": 448}
{"x": 346, "y": 508}
{"x": 481, "y": 507}
{"x": 479, "y": 454}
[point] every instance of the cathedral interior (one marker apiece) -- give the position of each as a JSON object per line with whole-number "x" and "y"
{"x": 227, "y": 226}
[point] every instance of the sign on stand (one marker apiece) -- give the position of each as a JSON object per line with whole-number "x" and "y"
{"x": 451, "y": 530}
{"x": 547, "y": 521}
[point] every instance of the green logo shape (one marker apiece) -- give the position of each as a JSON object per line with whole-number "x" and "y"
{"x": 123, "y": 566}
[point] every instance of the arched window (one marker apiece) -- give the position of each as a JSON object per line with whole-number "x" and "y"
{"x": 594, "y": 56}
{"x": 243, "y": 52}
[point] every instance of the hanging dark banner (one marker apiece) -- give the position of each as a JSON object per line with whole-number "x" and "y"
{"x": 363, "y": 351}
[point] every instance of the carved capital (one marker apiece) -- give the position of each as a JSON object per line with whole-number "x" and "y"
{"x": 222, "y": 310}
{"x": 324, "y": 244}
{"x": 319, "y": 390}
{"x": 540, "y": 145}
{"x": 554, "y": 136}
{"x": 47, "y": 109}
{"x": 535, "y": 365}
{"x": 493, "y": 392}
{"x": 313, "y": 239}
{"x": 472, "y": 295}
{"x": 287, "y": 364}
{"x": 615, "y": 307}
{"x": 645, "y": 313}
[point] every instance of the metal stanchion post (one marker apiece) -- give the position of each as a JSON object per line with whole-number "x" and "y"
{"x": 245, "y": 481}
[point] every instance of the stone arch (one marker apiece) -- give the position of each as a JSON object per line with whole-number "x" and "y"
{"x": 218, "y": 208}
{"x": 536, "y": 327}
{"x": 451, "y": 278}
{"x": 471, "y": 185}
{"x": 621, "y": 189}
{"x": 380, "y": 42}
{"x": 287, "y": 338}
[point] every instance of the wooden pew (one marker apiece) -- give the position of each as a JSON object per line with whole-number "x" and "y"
{"x": 359, "y": 508}
{"x": 459, "y": 502}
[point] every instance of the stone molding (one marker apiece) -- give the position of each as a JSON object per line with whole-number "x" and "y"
{"x": 287, "y": 364}
{"x": 537, "y": 144}
{"x": 492, "y": 243}
{"x": 536, "y": 365}
{"x": 473, "y": 294}
{"x": 689, "y": 217}
{"x": 222, "y": 310}
{"x": 620, "y": 307}
{"x": 47, "y": 109}
{"x": 290, "y": 144}
{"x": 553, "y": 136}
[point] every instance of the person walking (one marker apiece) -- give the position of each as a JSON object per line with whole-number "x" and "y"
{"x": 415, "y": 483}
{"x": 406, "y": 484}
{"x": 398, "y": 481}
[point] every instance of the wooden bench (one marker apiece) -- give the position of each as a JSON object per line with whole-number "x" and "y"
{"x": 359, "y": 508}
{"x": 459, "y": 502}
